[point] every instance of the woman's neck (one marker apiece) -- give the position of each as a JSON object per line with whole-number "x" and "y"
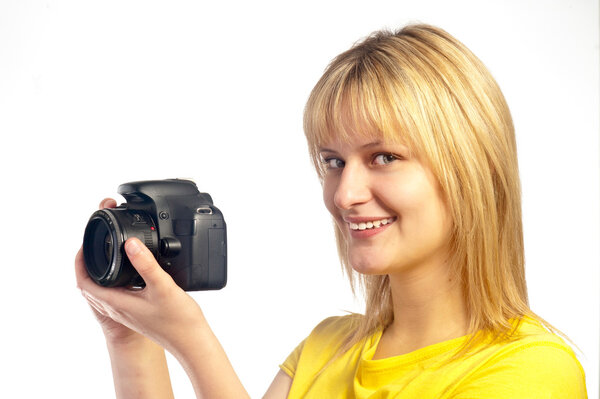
{"x": 428, "y": 307}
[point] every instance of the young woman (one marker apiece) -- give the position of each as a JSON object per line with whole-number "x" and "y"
{"x": 415, "y": 148}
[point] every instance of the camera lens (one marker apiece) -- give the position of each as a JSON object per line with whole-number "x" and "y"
{"x": 103, "y": 245}
{"x": 108, "y": 247}
{"x": 100, "y": 248}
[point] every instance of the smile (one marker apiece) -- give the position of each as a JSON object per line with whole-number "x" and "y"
{"x": 370, "y": 224}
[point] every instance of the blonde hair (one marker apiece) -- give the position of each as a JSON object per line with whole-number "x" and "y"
{"x": 424, "y": 88}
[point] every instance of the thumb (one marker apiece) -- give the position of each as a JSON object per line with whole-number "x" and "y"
{"x": 144, "y": 262}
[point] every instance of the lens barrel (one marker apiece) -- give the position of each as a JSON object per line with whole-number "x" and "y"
{"x": 104, "y": 245}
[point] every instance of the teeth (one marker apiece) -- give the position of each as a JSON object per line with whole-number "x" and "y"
{"x": 370, "y": 225}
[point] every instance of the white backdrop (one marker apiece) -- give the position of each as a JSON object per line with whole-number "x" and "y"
{"x": 97, "y": 93}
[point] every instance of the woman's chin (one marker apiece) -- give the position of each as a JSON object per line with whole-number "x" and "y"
{"x": 366, "y": 266}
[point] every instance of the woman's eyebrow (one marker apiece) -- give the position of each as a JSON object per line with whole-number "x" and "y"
{"x": 365, "y": 146}
{"x": 373, "y": 144}
{"x": 326, "y": 150}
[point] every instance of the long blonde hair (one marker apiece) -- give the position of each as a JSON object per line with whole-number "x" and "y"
{"x": 423, "y": 87}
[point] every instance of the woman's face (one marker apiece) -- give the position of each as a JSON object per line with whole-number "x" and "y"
{"x": 387, "y": 205}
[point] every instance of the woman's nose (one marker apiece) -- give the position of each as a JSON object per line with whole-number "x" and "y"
{"x": 353, "y": 187}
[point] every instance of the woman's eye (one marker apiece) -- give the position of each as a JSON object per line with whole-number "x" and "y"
{"x": 384, "y": 159}
{"x": 333, "y": 163}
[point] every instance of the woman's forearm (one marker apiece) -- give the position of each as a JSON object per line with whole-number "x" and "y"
{"x": 140, "y": 369}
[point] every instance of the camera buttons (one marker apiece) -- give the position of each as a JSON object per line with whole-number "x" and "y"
{"x": 163, "y": 215}
{"x": 169, "y": 247}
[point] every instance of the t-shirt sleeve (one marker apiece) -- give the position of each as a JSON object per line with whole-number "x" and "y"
{"x": 290, "y": 364}
{"x": 540, "y": 371}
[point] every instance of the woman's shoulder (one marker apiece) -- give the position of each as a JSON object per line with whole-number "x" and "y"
{"x": 334, "y": 330}
{"x": 322, "y": 343}
{"x": 531, "y": 343}
{"x": 532, "y": 360}
{"x": 338, "y": 324}
{"x": 530, "y": 333}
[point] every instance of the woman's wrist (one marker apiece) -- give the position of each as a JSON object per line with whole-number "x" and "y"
{"x": 119, "y": 338}
{"x": 139, "y": 368}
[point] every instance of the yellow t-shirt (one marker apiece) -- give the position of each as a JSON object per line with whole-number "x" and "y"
{"x": 536, "y": 364}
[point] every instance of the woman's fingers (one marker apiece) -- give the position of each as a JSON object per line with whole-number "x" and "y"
{"x": 95, "y": 304}
{"x": 107, "y": 203}
{"x": 81, "y": 274}
{"x": 88, "y": 287}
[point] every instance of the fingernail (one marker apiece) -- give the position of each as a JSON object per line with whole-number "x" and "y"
{"x": 133, "y": 247}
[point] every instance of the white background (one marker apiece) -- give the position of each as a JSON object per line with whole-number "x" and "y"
{"x": 97, "y": 93}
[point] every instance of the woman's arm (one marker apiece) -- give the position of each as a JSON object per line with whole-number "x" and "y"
{"x": 280, "y": 387}
{"x": 207, "y": 365}
{"x": 139, "y": 365}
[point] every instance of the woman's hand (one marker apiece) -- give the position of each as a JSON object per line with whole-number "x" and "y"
{"x": 162, "y": 311}
{"x": 114, "y": 332}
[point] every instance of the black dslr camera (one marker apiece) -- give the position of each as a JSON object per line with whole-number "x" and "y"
{"x": 179, "y": 225}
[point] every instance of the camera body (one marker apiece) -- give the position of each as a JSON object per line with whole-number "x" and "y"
{"x": 182, "y": 228}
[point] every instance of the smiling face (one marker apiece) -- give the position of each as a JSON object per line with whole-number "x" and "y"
{"x": 422, "y": 87}
{"x": 387, "y": 206}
